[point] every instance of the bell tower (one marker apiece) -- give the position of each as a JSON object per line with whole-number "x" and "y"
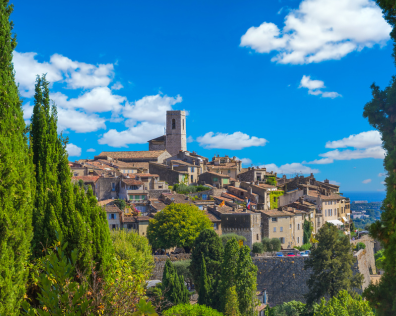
{"x": 176, "y": 139}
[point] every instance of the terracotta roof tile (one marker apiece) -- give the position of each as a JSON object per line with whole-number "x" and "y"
{"x": 112, "y": 208}
{"x": 131, "y": 154}
{"x": 86, "y": 178}
{"x": 132, "y": 182}
{"x": 276, "y": 213}
{"x": 217, "y": 174}
{"x": 105, "y": 202}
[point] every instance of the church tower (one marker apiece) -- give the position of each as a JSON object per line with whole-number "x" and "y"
{"x": 176, "y": 139}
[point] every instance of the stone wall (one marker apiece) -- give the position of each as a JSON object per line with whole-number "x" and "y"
{"x": 159, "y": 262}
{"x": 104, "y": 191}
{"x": 155, "y": 194}
{"x": 366, "y": 260}
{"x": 165, "y": 173}
{"x": 291, "y": 197}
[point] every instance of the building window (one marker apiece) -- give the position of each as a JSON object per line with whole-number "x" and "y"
{"x": 335, "y": 212}
{"x": 298, "y": 240}
{"x": 290, "y": 226}
{"x": 112, "y": 216}
{"x": 192, "y": 169}
{"x": 112, "y": 186}
{"x": 113, "y": 226}
{"x": 215, "y": 226}
{"x": 282, "y": 240}
{"x": 274, "y": 199}
{"x": 274, "y": 229}
{"x": 298, "y": 226}
{"x": 257, "y": 237}
{"x": 229, "y": 171}
{"x": 215, "y": 179}
{"x": 183, "y": 124}
{"x": 173, "y": 124}
{"x": 281, "y": 229}
{"x": 274, "y": 219}
{"x": 192, "y": 178}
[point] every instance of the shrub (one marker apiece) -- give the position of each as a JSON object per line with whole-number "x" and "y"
{"x": 258, "y": 247}
{"x": 226, "y": 237}
{"x": 271, "y": 245}
{"x": 359, "y": 246}
{"x": 191, "y": 310}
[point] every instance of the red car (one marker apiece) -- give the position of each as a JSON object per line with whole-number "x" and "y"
{"x": 291, "y": 254}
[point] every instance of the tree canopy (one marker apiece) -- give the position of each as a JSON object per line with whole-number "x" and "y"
{"x": 191, "y": 310}
{"x": 16, "y": 177}
{"x": 177, "y": 225}
{"x": 331, "y": 262}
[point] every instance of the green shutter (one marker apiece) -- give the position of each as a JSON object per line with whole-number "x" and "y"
{"x": 225, "y": 181}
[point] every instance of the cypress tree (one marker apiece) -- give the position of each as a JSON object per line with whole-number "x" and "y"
{"x": 232, "y": 306}
{"x": 16, "y": 177}
{"x": 204, "y": 292}
{"x": 246, "y": 281}
{"x": 173, "y": 285}
{"x": 60, "y": 207}
{"x": 228, "y": 270}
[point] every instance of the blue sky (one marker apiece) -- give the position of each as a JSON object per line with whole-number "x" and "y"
{"x": 278, "y": 83}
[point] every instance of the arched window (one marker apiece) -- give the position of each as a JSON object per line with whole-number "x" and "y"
{"x": 183, "y": 125}
{"x": 173, "y": 124}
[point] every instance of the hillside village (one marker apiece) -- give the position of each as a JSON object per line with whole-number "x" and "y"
{"x": 262, "y": 203}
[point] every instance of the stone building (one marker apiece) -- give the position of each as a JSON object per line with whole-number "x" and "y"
{"x": 215, "y": 179}
{"x": 255, "y": 174}
{"x": 176, "y": 171}
{"x": 113, "y": 215}
{"x": 137, "y": 223}
{"x": 175, "y": 139}
{"x": 225, "y": 165}
{"x": 191, "y": 158}
{"x": 134, "y": 156}
{"x": 284, "y": 225}
{"x": 262, "y": 190}
{"x": 246, "y": 224}
{"x": 128, "y": 167}
{"x": 133, "y": 190}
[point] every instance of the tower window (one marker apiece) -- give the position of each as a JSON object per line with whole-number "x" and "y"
{"x": 173, "y": 124}
{"x": 183, "y": 125}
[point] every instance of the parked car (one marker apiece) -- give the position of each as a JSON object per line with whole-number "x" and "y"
{"x": 291, "y": 254}
{"x": 279, "y": 254}
{"x": 303, "y": 254}
{"x": 308, "y": 252}
{"x": 298, "y": 254}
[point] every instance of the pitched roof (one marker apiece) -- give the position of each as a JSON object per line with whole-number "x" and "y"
{"x": 276, "y": 213}
{"x": 105, "y": 202}
{"x": 181, "y": 162}
{"x": 213, "y": 218}
{"x": 178, "y": 199}
{"x": 327, "y": 197}
{"x": 158, "y": 139}
{"x": 131, "y": 154}
{"x": 157, "y": 205}
{"x": 112, "y": 208}
{"x": 145, "y": 175}
{"x": 216, "y": 174}
{"x": 129, "y": 165}
{"x": 132, "y": 182}
{"x": 86, "y": 178}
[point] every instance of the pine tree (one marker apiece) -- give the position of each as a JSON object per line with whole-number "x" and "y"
{"x": 204, "y": 293}
{"x": 231, "y": 299}
{"x": 331, "y": 263}
{"x": 16, "y": 177}
{"x": 246, "y": 282}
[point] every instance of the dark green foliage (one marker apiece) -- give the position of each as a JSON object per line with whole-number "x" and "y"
{"x": 352, "y": 228}
{"x": 183, "y": 268}
{"x": 258, "y": 247}
{"x": 204, "y": 292}
{"x": 359, "y": 246}
{"x": 173, "y": 285}
{"x": 187, "y": 189}
{"x": 271, "y": 180}
{"x": 120, "y": 203}
{"x": 208, "y": 245}
{"x": 389, "y": 11}
{"x": 308, "y": 228}
{"x": 271, "y": 245}
{"x": 246, "y": 282}
{"x": 226, "y": 237}
{"x": 292, "y": 308}
{"x": 60, "y": 207}
{"x": 191, "y": 310}
{"x": 379, "y": 259}
{"x": 331, "y": 262}
{"x": 16, "y": 178}
{"x": 231, "y": 307}
{"x": 229, "y": 268}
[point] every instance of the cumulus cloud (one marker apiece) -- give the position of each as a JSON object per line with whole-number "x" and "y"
{"x": 98, "y": 99}
{"x": 323, "y": 161}
{"x": 245, "y": 161}
{"x": 334, "y": 182}
{"x": 314, "y": 87}
{"x": 382, "y": 174}
{"x": 373, "y": 152}
{"x": 290, "y": 168}
{"x": 78, "y": 121}
{"x": 73, "y": 150}
{"x": 151, "y": 108}
{"x": 361, "y": 140}
{"x": 59, "y": 69}
{"x": 320, "y": 30}
{"x": 235, "y": 141}
{"x": 138, "y": 134}
{"x": 366, "y": 181}
{"x": 91, "y": 150}
{"x": 190, "y": 139}
{"x": 117, "y": 86}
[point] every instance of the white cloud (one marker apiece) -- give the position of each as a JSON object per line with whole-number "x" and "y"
{"x": 245, "y": 161}
{"x": 314, "y": 87}
{"x": 361, "y": 140}
{"x": 138, "y": 134}
{"x": 27, "y": 111}
{"x": 290, "y": 168}
{"x": 117, "y": 86}
{"x": 98, "y": 99}
{"x": 190, "y": 139}
{"x": 73, "y": 150}
{"x": 59, "y": 69}
{"x": 91, "y": 150}
{"x": 334, "y": 182}
{"x": 151, "y": 108}
{"x": 79, "y": 122}
{"x": 322, "y": 161}
{"x": 366, "y": 181}
{"x": 348, "y": 154}
{"x": 235, "y": 141}
{"x": 382, "y": 174}
{"x": 383, "y": 182}
{"x": 320, "y": 30}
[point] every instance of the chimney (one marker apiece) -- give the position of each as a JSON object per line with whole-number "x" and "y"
{"x": 250, "y": 189}
{"x": 248, "y": 168}
{"x": 194, "y": 162}
{"x": 284, "y": 176}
